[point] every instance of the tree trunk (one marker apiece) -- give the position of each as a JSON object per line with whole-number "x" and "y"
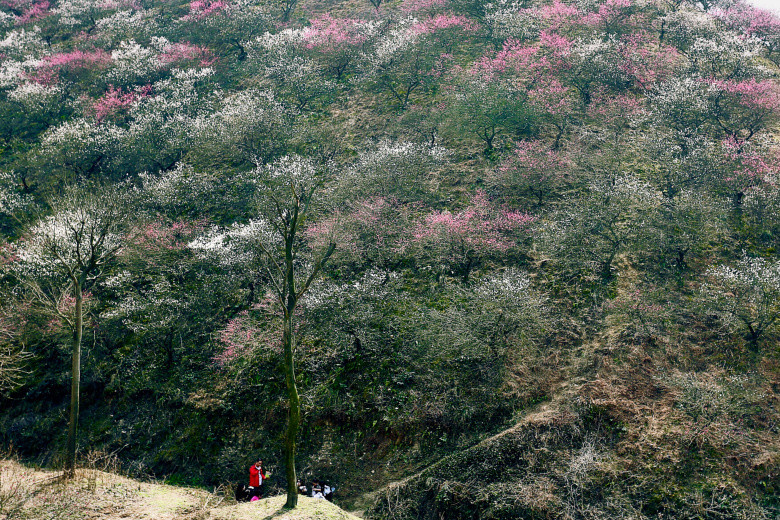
{"x": 75, "y": 385}
{"x": 293, "y": 413}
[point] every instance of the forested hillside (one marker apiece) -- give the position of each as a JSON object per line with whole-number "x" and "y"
{"x": 524, "y": 255}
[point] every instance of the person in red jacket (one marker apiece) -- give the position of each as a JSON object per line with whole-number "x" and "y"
{"x": 256, "y": 478}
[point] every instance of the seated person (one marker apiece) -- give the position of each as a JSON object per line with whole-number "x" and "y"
{"x": 327, "y": 492}
{"x": 302, "y": 488}
{"x": 256, "y": 478}
{"x": 316, "y": 489}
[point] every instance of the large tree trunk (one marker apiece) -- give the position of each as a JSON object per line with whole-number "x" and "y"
{"x": 294, "y": 411}
{"x": 75, "y": 385}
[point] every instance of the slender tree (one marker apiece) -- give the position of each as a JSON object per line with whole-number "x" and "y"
{"x": 287, "y": 190}
{"x": 60, "y": 258}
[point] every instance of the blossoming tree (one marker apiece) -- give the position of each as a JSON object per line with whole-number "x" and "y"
{"x": 61, "y": 256}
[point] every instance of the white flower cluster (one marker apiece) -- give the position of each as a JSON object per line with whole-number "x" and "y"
{"x": 685, "y": 25}
{"x": 76, "y": 12}
{"x": 132, "y": 63}
{"x": 242, "y": 122}
{"x": 727, "y": 54}
{"x": 127, "y": 22}
{"x": 509, "y": 19}
{"x": 599, "y": 57}
{"x": 676, "y": 97}
{"x": 629, "y": 187}
{"x": 396, "y": 41}
{"x": 509, "y": 285}
{"x": 237, "y": 245}
{"x": 372, "y": 286}
{"x": 23, "y": 44}
{"x": 12, "y": 72}
{"x": 68, "y": 240}
{"x": 11, "y": 200}
{"x": 6, "y": 20}
{"x": 81, "y": 137}
{"x": 23, "y": 50}
{"x": 752, "y": 279}
{"x": 34, "y": 96}
{"x": 295, "y": 169}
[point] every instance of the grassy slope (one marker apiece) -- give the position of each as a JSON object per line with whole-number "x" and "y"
{"x": 100, "y": 495}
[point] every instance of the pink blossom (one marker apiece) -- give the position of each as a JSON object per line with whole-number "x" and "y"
{"x": 746, "y": 165}
{"x": 614, "y": 14}
{"x": 750, "y": 21}
{"x": 751, "y": 93}
{"x": 331, "y": 33}
{"x": 557, "y": 15}
{"x": 479, "y": 229}
{"x": 114, "y": 101}
{"x": 159, "y": 236}
{"x": 49, "y": 68}
{"x": 200, "y": 9}
{"x": 243, "y": 334}
{"x": 614, "y": 110}
{"x": 645, "y": 61}
{"x": 183, "y": 52}
{"x": 36, "y": 11}
{"x": 552, "y": 97}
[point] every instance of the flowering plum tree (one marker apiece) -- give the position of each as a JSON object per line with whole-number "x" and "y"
{"x": 247, "y": 127}
{"x": 682, "y": 228}
{"x": 753, "y": 22}
{"x": 58, "y": 260}
{"x": 460, "y": 242}
{"x": 746, "y": 296}
{"x": 297, "y": 78}
{"x": 408, "y": 57}
{"x": 394, "y": 171}
{"x": 226, "y": 26}
{"x": 743, "y": 108}
{"x": 287, "y": 192}
{"x": 338, "y": 42}
{"x": 590, "y": 232}
{"x": 488, "y": 103}
{"x": 533, "y": 173}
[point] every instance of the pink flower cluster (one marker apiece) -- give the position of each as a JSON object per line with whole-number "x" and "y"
{"x": 331, "y": 33}
{"x": 114, "y": 101}
{"x": 200, "y": 9}
{"x": 479, "y": 227}
{"x": 51, "y": 66}
{"x": 513, "y": 57}
{"x": 614, "y": 109}
{"x": 159, "y": 236}
{"x": 184, "y": 52}
{"x": 746, "y": 165}
{"x": 610, "y": 11}
{"x": 551, "y": 97}
{"x": 645, "y": 61}
{"x": 750, "y": 21}
{"x": 558, "y": 15}
{"x": 36, "y": 11}
{"x": 535, "y": 159}
{"x": 751, "y": 93}
{"x": 242, "y": 334}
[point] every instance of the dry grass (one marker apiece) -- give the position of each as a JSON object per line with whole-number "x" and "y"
{"x": 33, "y": 494}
